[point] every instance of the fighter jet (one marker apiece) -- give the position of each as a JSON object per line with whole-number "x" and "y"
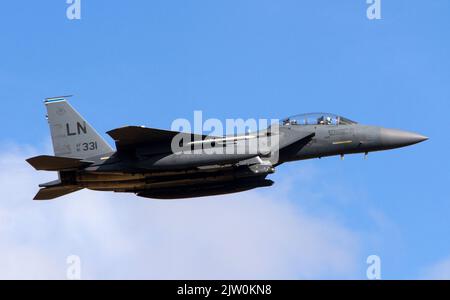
{"x": 164, "y": 164}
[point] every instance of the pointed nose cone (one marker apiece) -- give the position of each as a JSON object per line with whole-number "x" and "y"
{"x": 393, "y": 138}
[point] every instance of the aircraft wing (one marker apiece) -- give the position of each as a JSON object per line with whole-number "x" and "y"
{"x": 132, "y": 137}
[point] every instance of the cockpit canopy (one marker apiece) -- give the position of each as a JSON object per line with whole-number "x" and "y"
{"x": 317, "y": 119}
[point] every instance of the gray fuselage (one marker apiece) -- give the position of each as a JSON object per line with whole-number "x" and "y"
{"x": 172, "y": 176}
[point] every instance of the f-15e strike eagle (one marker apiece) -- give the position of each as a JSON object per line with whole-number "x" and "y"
{"x": 162, "y": 164}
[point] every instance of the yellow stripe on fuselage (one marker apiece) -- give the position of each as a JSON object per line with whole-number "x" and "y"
{"x": 342, "y": 142}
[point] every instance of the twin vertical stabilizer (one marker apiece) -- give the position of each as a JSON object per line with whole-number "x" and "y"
{"x": 73, "y": 136}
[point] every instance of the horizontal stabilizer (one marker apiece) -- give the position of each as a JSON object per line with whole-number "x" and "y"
{"x": 55, "y": 163}
{"x": 55, "y": 192}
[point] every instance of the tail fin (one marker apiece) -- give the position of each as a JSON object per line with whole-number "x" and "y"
{"x": 72, "y": 135}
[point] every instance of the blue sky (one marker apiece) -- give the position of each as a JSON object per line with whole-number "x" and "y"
{"x": 150, "y": 62}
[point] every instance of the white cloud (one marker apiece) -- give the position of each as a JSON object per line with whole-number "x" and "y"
{"x": 440, "y": 270}
{"x": 262, "y": 234}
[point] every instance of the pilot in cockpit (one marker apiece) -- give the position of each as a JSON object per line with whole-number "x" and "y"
{"x": 324, "y": 121}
